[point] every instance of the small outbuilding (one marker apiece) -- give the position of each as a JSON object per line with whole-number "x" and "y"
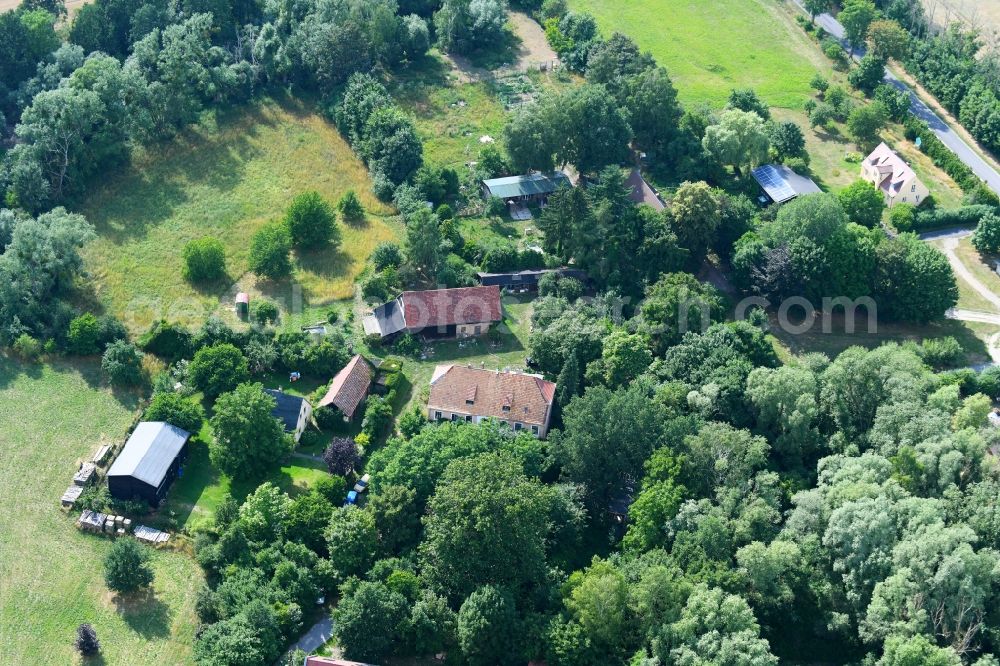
{"x": 293, "y": 412}
{"x": 149, "y": 462}
{"x": 242, "y": 305}
{"x": 522, "y": 281}
{"x": 781, "y": 184}
{"x": 534, "y": 187}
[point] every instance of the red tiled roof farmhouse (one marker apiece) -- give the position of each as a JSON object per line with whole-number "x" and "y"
{"x": 527, "y": 398}
{"x": 447, "y": 307}
{"x": 349, "y": 387}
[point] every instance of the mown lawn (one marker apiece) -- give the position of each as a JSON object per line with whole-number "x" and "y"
{"x": 225, "y": 177}
{"x": 52, "y": 417}
{"x": 709, "y": 48}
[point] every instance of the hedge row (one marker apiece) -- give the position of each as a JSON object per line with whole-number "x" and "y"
{"x": 940, "y": 218}
{"x": 940, "y": 154}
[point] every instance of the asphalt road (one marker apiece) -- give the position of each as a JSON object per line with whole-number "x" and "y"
{"x": 940, "y": 128}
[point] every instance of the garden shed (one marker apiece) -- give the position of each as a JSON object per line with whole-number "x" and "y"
{"x": 149, "y": 462}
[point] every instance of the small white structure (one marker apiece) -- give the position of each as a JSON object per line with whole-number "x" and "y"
{"x": 893, "y": 177}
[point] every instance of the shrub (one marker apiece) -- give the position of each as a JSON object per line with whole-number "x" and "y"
{"x": 988, "y": 382}
{"x": 27, "y": 348}
{"x": 84, "y": 335}
{"x": 269, "y": 250}
{"x": 325, "y": 358}
{"x": 819, "y": 83}
{"x": 177, "y": 410}
{"x": 264, "y": 311}
{"x": 940, "y": 353}
{"x": 204, "y": 260}
{"x": 386, "y": 254}
{"x": 86, "y": 642}
{"x": 126, "y": 566}
{"x": 444, "y": 212}
{"x": 902, "y": 217}
{"x": 378, "y": 416}
{"x": 376, "y": 288}
{"x": 986, "y": 237}
{"x": 341, "y": 456}
{"x": 350, "y": 207}
{"x": 171, "y": 342}
{"x": 122, "y": 363}
{"x": 412, "y": 422}
{"x": 382, "y": 186}
{"x": 495, "y": 207}
{"x": 311, "y": 221}
{"x": 834, "y": 51}
{"x": 407, "y": 345}
{"x": 333, "y": 488}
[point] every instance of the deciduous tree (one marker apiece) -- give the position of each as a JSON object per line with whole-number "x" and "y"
{"x": 249, "y": 440}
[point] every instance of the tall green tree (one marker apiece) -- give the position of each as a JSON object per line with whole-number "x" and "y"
{"x": 312, "y": 221}
{"x": 369, "y": 621}
{"x": 697, "y": 212}
{"x": 126, "y": 566}
{"x": 486, "y": 524}
{"x": 863, "y": 203}
{"x": 423, "y": 243}
{"x": 217, "y": 369}
{"x": 249, "y": 440}
{"x": 739, "y": 139}
{"x": 856, "y": 16}
{"x": 487, "y": 628}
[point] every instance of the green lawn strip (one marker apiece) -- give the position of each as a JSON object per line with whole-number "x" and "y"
{"x": 981, "y": 267}
{"x": 971, "y": 336}
{"x": 709, "y": 48}
{"x": 52, "y": 417}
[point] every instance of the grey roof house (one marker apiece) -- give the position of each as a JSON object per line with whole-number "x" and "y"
{"x": 149, "y": 462}
{"x": 532, "y": 187}
{"x": 293, "y": 412}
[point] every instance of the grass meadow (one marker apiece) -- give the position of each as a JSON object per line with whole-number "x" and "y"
{"x": 53, "y": 416}
{"x": 450, "y": 116}
{"x": 709, "y": 48}
{"x": 226, "y": 177}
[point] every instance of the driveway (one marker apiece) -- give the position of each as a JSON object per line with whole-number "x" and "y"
{"x": 940, "y": 128}
{"x": 948, "y": 246}
{"x": 316, "y": 637}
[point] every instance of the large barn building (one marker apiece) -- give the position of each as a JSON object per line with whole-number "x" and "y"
{"x": 148, "y": 463}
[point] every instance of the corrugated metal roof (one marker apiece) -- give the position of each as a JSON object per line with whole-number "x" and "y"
{"x": 149, "y": 452}
{"x": 525, "y": 186}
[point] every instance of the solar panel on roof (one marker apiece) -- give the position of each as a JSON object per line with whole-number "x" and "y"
{"x": 774, "y": 183}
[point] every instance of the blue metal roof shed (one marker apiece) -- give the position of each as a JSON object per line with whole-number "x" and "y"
{"x": 148, "y": 462}
{"x": 521, "y": 187}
